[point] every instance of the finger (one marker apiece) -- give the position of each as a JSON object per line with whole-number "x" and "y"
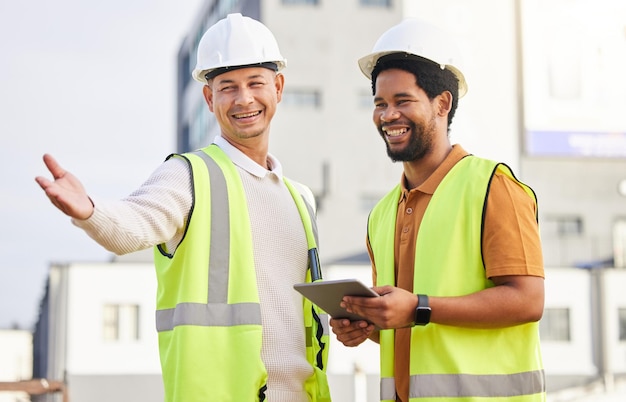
{"x": 339, "y": 322}
{"x": 43, "y": 182}
{"x": 353, "y": 329}
{"x": 353, "y": 338}
{"x": 359, "y": 324}
{"x": 53, "y": 166}
{"x": 383, "y": 290}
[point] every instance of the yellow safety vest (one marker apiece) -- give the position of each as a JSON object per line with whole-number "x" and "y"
{"x": 452, "y": 363}
{"x": 208, "y": 313}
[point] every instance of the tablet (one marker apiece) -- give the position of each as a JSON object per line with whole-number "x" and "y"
{"x": 327, "y": 295}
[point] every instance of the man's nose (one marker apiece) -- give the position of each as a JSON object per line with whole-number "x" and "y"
{"x": 389, "y": 114}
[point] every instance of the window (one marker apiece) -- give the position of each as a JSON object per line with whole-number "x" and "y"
{"x": 201, "y": 125}
{"x": 555, "y": 325}
{"x": 619, "y": 243}
{"x": 184, "y": 70}
{"x": 376, "y": 3}
{"x": 120, "y": 322}
{"x": 557, "y": 66}
{"x": 368, "y": 201}
{"x": 308, "y": 2}
{"x": 305, "y": 98}
{"x": 563, "y": 226}
{"x": 621, "y": 312}
{"x": 366, "y": 100}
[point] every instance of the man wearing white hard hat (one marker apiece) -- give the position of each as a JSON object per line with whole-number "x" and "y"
{"x": 455, "y": 248}
{"x": 231, "y": 236}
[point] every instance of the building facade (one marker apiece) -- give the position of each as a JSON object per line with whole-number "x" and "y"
{"x": 16, "y": 357}
{"x": 96, "y": 332}
{"x": 573, "y": 130}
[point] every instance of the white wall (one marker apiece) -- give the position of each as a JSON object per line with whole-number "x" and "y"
{"x": 91, "y": 286}
{"x": 614, "y": 289}
{"x": 570, "y": 288}
{"x": 16, "y": 360}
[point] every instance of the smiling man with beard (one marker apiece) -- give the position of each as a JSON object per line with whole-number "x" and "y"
{"x": 455, "y": 248}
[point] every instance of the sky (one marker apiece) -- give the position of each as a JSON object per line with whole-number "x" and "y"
{"x": 93, "y": 84}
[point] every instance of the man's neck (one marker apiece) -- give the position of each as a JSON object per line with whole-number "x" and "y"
{"x": 255, "y": 148}
{"x": 418, "y": 171}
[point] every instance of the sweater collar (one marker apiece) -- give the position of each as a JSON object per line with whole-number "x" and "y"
{"x": 243, "y": 161}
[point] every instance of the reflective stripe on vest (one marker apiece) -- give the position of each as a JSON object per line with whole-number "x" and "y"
{"x": 466, "y": 385}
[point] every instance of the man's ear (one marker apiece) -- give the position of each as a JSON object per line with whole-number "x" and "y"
{"x": 279, "y": 82}
{"x": 444, "y": 103}
{"x": 208, "y": 96}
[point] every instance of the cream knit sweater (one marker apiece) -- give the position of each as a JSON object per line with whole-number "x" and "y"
{"x": 156, "y": 213}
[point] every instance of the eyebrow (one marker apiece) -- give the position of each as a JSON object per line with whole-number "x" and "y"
{"x": 250, "y": 77}
{"x": 396, "y": 96}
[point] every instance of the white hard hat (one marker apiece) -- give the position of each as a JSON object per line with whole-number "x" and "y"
{"x": 236, "y": 41}
{"x": 418, "y": 38}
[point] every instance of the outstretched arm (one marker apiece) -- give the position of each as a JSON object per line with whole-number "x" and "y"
{"x": 66, "y": 192}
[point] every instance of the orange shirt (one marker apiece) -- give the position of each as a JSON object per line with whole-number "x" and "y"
{"x": 511, "y": 242}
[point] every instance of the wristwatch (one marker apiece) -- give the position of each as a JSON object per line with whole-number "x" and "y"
{"x": 422, "y": 311}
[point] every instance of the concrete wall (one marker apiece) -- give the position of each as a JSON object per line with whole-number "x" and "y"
{"x": 16, "y": 360}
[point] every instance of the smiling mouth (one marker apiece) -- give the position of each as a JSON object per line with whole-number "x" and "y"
{"x": 395, "y": 132}
{"x": 246, "y": 115}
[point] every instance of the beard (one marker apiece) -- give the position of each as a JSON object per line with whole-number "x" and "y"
{"x": 420, "y": 143}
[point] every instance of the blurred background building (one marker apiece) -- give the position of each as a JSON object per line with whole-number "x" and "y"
{"x": 16, "y": 350}
{"x": 545, "y": 96}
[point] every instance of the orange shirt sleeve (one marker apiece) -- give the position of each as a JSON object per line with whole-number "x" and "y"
{"x": 511, "y": 241}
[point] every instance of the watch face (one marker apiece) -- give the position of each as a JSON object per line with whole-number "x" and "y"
{"x": 422, "y": 315}
{"x": 422, "y": 312}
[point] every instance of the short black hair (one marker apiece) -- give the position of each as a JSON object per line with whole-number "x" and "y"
{"x": 428, "y": 75}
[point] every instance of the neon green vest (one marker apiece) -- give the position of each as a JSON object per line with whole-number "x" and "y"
{"x": 208, "y": 313}
{"x": 453, "y": 363}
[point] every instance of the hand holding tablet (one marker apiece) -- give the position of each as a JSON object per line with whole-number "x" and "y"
{"x": 327, "y": 295}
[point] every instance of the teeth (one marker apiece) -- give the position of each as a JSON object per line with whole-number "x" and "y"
{"x": 244, "y": 115}
{"x": 395, "y": 133}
